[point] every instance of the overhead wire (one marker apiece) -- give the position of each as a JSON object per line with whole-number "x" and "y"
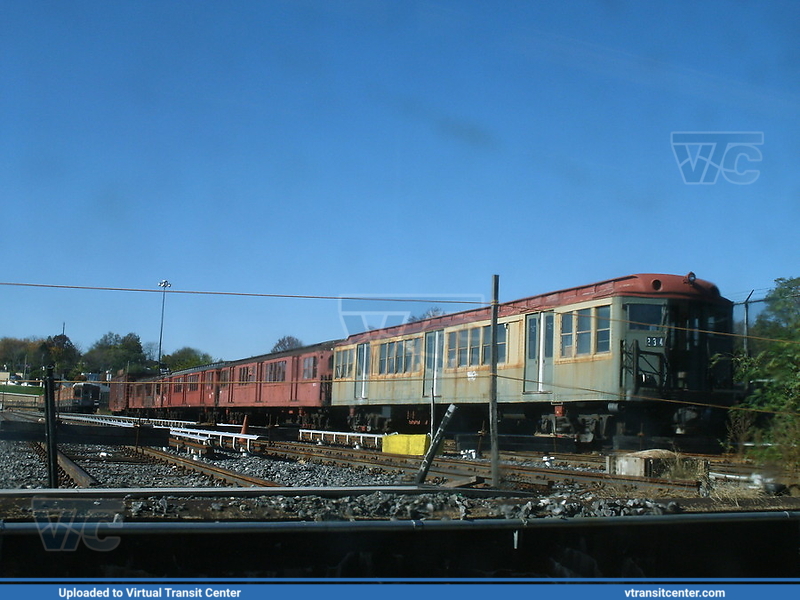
{"x": 382, "y": 299}
{"x": 245, "y": 294}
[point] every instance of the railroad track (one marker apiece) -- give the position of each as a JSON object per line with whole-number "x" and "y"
{"x": 584, "y": 470}
{"x": 194, "y": 466}
{"x": 69, "y": 471}
{"x": 455, "y": 469}
{"x": 72, "y": 474}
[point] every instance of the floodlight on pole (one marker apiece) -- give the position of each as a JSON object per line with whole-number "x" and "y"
{"x": 163, "y": 284}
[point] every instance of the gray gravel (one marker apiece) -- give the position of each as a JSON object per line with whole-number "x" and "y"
{"x": 20, "y": 468}
{"x": 301, "y": 474}
{"x": 105, "y": 466}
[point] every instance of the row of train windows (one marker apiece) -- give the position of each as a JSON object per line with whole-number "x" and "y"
{"x": 581, "y": 333}
{"x": 586, "y": 331}
{"x": 399, "y": 357}
{"x": 274, "y": 372}
{"x": 468, "y": 347}
{"x": 473, "y": 347}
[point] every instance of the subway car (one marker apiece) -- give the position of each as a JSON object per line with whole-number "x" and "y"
{"x": 627, "y": 360}
{"x": 289, "y": 387}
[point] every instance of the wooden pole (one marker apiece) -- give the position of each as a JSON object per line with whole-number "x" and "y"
{"x": 495, "y": 450}
{"x": 50, "y": 427}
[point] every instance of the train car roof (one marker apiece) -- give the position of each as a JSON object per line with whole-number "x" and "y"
{"x": 259, "y": 357}
{"x": 643, "y": 285}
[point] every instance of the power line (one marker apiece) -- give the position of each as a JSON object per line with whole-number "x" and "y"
{"x": 380, "y": 299}
{"x": 245, "y": 294}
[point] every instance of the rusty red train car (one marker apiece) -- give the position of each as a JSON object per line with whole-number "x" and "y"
{"x": 290, "y": 387}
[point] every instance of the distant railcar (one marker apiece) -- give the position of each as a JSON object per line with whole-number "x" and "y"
{"x": 80, "y": 397}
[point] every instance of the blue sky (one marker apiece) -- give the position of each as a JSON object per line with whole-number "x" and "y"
{"x": 377, "y": 148}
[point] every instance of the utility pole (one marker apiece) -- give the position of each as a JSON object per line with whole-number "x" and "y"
{"x": 50, "y": 427}
{"x": 747, "y": 323}
{"x": 493, "y": 440}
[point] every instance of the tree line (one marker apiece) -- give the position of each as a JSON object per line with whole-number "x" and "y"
{"x": 111, "y": 353}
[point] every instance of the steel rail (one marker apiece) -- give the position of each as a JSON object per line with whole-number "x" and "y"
{"x": 204, "y": 469}
{"x": 69, "y": 468}
{"x": 251, "y": 527}
{"x": 248, "y": 492}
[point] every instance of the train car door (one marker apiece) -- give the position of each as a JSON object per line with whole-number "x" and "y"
{"x": 362, "y": 372}
{"x": 434, "y": 363}
{"x": 294, "y": 378}
{"x": 539, "y": 352}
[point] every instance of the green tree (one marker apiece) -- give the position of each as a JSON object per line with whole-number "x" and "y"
{"x": 780, "y": 319}
{"x": 287, "y": 342}
{"x": 431, "y": 313}
{"x": 17, "y": 354}
{"x": 186, "y": 358}
{"x": 772, "y": 373}
{"x": 115, "y": 352}
{"x": 60, "y": 352}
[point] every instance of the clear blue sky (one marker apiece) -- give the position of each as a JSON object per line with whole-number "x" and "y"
{"x": 377, "y": 148}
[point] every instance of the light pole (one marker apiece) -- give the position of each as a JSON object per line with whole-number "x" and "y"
{"x": 163, "y": 284}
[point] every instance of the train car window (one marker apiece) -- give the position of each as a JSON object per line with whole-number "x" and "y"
{"x": 310, "y": 367}
{"x": 412, "y": 355}
{"x": 362, "y": 370}
{"x": 451, "y": 349}
{"x": 533, "y": 337}
{"x": 603, "y": 324}
{"x": 382, "y": 359}
{"x": 583, "y": 332}
{"x": 434, "y": 360}
{"x": 644, "y": 317}
{"x": 276, "y": 371}
{"x": 391, "y": 358}
{"x": 474, "y": 346}
{"x": 344, "y": 364}
{"x": 501, "y": 344}
{"x": 549, "y": 335}
{"x": 566, "y": 334}
{"x": 400, "y": 365}
{"x": 463, "y": 343}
